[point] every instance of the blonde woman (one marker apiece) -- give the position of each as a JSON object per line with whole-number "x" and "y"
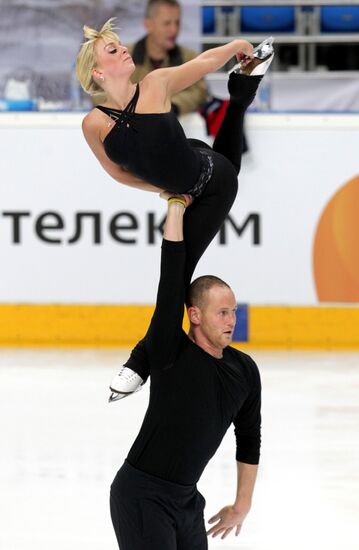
{"x": 140, "y": 142}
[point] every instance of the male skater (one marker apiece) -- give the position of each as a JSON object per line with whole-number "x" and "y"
{"x": 199, "y": 386}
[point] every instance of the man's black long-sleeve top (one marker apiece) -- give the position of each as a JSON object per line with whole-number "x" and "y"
{"x": 194, "y": 397}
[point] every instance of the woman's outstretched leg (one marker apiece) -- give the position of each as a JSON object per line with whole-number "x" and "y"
{"x": 229, "y": 139}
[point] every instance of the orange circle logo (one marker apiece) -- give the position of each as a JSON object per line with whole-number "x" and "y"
{"x": 336, "y": 247}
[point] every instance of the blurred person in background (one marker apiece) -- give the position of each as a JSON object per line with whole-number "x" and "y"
{"x": 159, "y": 49}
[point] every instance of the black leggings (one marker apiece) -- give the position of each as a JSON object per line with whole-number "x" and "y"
{"x": 203, "y": 219}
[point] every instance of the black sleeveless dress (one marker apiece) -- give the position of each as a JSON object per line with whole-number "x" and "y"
{"x": 154, "y": 147}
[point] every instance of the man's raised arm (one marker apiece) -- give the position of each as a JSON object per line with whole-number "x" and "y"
{"x": 165, "y": 330}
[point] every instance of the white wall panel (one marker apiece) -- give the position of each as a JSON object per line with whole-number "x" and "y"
{"x": 294, "y": 167}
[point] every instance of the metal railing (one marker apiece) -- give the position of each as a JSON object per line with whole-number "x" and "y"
{"x": 296, "y": 3}
{"x": 306, "y": 34}
{"x": 286, "y": 38}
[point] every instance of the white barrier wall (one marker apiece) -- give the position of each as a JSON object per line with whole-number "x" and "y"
{"x": 295, "y": 166}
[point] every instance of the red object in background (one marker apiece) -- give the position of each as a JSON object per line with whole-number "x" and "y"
{"x": 213, "y": 113}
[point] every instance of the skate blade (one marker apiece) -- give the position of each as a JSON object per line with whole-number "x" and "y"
{"x": 258, "y": 49}
{"x": 115, "y": 396}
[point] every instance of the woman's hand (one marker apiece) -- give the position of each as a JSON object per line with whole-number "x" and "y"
{"x": 227, "y": 519}
{"x": 245, "y": 52}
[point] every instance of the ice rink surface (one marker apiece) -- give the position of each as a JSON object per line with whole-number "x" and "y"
{"x": 62, "y": 443}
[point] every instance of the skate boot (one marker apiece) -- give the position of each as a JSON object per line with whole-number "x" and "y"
{"x": 263, "y": 56}
{"x": 126, "y": 382}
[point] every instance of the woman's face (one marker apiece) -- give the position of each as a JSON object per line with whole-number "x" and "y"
{"x": 113, "y": 59}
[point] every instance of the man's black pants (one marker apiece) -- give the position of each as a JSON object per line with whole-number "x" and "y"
{"x": 149, "y": 513}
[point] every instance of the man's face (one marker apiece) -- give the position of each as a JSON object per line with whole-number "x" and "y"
{"x": 218, "y": 316}
{"x": 164, "y": 25}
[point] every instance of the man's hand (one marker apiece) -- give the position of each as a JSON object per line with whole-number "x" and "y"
{"x": 227, "y": 519}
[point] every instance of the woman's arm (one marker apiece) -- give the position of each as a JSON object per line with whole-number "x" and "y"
{"x": 90, "y": 129}
{"x": 179, "y": 78}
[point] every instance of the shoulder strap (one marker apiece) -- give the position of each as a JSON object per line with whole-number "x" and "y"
{"x": 112, "y": 113}
{"x": 130, "y": 107}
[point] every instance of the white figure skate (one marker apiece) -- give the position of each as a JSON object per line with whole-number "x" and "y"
{"x": 125, "y": 383}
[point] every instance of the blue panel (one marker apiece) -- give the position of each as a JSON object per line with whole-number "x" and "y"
{"x": 208, "y": 20}
{"x": 339, "y": 19}
{"x": 268, "y": 19}
{"x": 18, "y": 105}
{"x": 241, "y": 329}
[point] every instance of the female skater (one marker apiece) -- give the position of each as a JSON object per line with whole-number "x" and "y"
{"x": 139, "y": 141}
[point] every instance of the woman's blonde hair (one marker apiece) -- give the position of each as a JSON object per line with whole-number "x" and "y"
{"x": 86, "y": 59}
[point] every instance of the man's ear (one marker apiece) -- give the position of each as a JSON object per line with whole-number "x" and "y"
{"x": 194, "y": 315}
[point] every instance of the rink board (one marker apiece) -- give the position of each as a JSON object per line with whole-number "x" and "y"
{"x": 266, "y": 327}
{"x": 80, "y": 253}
